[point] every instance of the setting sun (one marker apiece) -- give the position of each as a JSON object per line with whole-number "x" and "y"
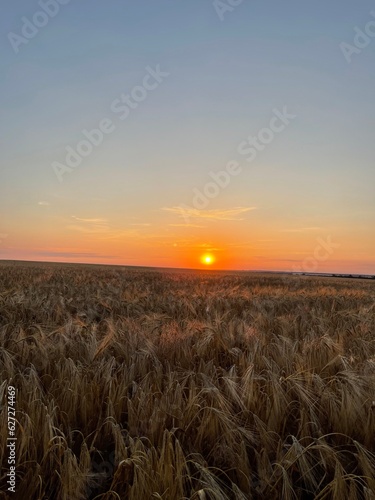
{"x": 207, "y": 259}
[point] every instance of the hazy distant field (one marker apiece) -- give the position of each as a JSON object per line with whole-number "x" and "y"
{"x": 141, "y": 384}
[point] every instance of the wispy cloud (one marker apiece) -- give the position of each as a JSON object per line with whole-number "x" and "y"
{"x": 84, "y": 229}
{"x": 301, "y": 229}
{"x": 94, "y": 225}
{"x": 245, "y": 244}
{"x": 208, "y": 247}
{"x": 120, "y": 234}
{"x": 185, "y": 225}
{"x": 74, "y": 254}
{"x": 145, "y": 224}
{"x": 90, "y": 221}
{"x": 43, "y": 203}
{"x": 215, "y": 214}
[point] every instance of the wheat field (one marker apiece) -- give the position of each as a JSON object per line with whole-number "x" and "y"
{"x": 143, "y": 383}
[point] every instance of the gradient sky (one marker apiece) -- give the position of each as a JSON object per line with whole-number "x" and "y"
{"x": 122, "y": 205}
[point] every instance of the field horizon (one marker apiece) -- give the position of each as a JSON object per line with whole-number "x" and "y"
{"x": 195, "y": 269}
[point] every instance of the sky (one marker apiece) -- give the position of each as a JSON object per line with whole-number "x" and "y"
{"x": 156, "y": 133}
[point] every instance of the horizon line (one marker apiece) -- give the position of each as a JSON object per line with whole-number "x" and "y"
{"x": 292, "y": 273}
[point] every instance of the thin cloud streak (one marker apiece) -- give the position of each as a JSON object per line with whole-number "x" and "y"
{"x": 301, "y": 229}
{"x": 90, "y": 230}
{"x": 214, "y": 214}
{"x": 74, "y": 254}
{"x": 185, "y": 225}
{"x": 90, "y": 221}
{"x": 89, "y": 226}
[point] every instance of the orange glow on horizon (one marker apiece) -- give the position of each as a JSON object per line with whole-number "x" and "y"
{"x": 212, "y": 250}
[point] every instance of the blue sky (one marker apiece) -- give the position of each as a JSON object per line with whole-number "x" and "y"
{"x": 225, "y": 79}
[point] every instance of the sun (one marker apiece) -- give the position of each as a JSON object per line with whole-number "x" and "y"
{"x": 207, "y": 259}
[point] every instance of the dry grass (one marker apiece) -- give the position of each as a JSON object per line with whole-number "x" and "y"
{"x": 139, "y": 384}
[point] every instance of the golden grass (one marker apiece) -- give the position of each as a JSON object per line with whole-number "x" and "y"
{"x": 140, "y": 384}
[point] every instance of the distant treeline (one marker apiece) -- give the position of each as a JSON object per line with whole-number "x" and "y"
{"x": 330, "y": 275}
